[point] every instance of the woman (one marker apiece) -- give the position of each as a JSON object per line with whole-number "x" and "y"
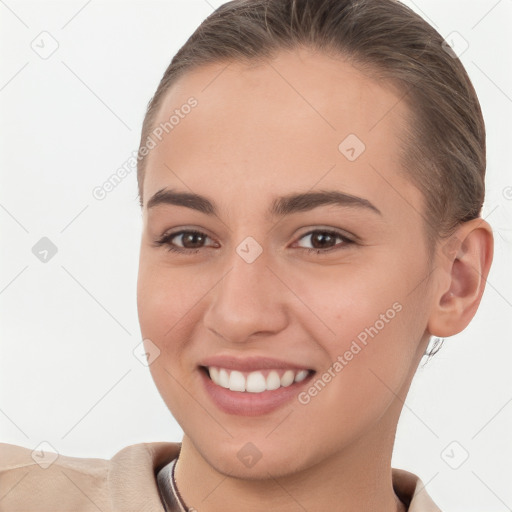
{"x": 311, "y": 177}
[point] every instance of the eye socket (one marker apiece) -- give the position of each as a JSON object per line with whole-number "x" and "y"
{"x": 192, "y": 235}
{"x": 195, "y": 236}
{"x": 327, "y": 235}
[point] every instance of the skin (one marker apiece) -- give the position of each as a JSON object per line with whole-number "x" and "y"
{"x": 265, "y": 130}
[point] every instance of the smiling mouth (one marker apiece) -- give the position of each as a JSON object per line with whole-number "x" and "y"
{"x": 255, "y": 381}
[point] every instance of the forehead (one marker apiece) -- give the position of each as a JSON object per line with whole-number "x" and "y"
{"x": 284, "y": 123}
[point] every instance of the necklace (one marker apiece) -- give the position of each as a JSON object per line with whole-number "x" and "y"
{"x": 175, "y": 491}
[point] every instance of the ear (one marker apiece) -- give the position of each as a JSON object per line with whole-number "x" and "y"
{"x": 464, "y": 261}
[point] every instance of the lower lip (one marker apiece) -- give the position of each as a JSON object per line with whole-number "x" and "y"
{"x": 244, "y": 403}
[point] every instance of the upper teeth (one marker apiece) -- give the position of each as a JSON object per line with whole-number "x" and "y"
{"x": 254, "y": 382}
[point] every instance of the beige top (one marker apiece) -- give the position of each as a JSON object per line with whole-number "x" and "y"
{"x": 125, "y": 483}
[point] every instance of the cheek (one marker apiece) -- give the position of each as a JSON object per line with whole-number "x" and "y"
{"x": 371, "y": 339}
{"x": 369, "y": 363}
{"x": 348, "y": 304}
{"x": 166, "y": 302}
{"x": 165, "y": 299}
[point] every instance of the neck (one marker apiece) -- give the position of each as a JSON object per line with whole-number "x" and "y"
{"x": 353, "y": 479}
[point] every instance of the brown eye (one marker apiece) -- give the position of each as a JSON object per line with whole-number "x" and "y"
{"x": 191, "y": 239}
{"x": 324, "y": 240}
{"x": 183, "y": 241}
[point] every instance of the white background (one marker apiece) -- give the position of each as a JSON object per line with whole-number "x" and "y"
{"x": 68, "y": 375}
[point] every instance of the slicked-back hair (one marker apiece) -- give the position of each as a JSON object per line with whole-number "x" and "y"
{"x": 443, "y": 150}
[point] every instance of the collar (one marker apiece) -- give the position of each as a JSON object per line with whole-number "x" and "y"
{"x": 408, "y": 487}
{"x": 128, "y": 482}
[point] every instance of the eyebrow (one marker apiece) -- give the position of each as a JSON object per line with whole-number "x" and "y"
{"x": 281, "y": 206}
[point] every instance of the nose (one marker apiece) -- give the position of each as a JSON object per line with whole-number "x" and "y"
{"x": 248, "y": 302}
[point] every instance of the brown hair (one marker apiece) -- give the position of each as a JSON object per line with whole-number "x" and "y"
{"x": 444, "y": 148}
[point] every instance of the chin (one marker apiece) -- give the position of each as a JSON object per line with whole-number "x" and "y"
{"x": 256, "y": 459}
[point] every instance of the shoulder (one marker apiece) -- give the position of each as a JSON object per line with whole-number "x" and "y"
{"x": 40, "y": 480}
{"x": 412, "y": 492}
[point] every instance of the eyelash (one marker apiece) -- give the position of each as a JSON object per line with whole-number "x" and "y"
{"x": 166, "y": 240}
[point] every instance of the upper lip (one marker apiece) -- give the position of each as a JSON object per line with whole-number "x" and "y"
{"x": 249, "y": 364}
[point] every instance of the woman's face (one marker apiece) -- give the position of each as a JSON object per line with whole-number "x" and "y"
{"x": 310, "y": 263}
